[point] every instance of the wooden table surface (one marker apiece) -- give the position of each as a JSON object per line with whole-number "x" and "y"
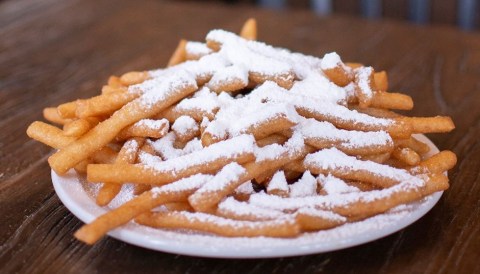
{"x": 53, "y": 51}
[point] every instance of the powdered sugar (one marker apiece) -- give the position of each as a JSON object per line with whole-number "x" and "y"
{"x": 203, "y": 100}
{"x": 305, "y": 186}
{"x": 330, "y": 61}
{"x": 311, "y": 92}
{"x": 130, "y": 146}
{"x": 278, "y": 182}
{"x": 332, "y": 159}
{"x": 333, "y": 200}
{"x": 245, "y": 188}
{"x": 333, "y": 185}
{"x": 164, "y": 147}
{"x": 363, "y": 81}
{"x": 184, "y": 124}
{"x": 235, "y": 73}
{"x": 231, "y": 148}
{"x": 313, "y": 129}
{"x": 270, "y": 152}
{"x": 197, "y": 49}
{"x": 161, "y": 88}
{"x": 190, "y": 183}
{"x": 237, "y": 51}
{"x": 229, "y": 173}
{"x": 229, "y": 223}
{"x": 234, "y": 208}
{"x": 153, "y": 124}
{"x": 324, "y": 214}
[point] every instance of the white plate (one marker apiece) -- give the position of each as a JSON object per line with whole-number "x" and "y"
{"x": 76, "y": 195}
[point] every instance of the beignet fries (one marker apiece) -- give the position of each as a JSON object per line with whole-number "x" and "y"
{"x": 241, "y": 139}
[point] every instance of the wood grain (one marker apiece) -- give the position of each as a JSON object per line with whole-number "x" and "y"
{"x": 54, "y": 51}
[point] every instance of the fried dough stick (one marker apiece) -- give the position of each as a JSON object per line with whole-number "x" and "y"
{"x": 172, "y": 90}
{"x": 127, "y": 155}
{"x": 175, "y": 192}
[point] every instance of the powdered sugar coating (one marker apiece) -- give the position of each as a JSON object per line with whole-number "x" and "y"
{"x": 303, "y": 93}
{"x": 305, "y": 186}
{"x": 363, "y": 81}
{"x": 197, "y": 48}
{"x": 184, "y": 124}
{"x": 324, "y": 214}
{"x": 159, "y": 89}
{"x": 190, "y": 183}
{"x": 229, "y": 173}
{"x": 220, "y": 221}
{"x": 235, "y": 73}
{"x": 245, "y": 188}
{"x": 237, "y": 51}
{"x": 311, "y": 128}
{"x": 231, "y": 206}
{"x": 228, "y": 148}
{"x": 330, "y": 61}
{"x": 164, "y": 147}
{"x": 203, "y": 100}
{"x": 270, "y": 152}
{"x": 333, "y": 158}
{"x": 333, "y": 185}
{"x": 130, "y": 146}
{"x": 278, "y": 182}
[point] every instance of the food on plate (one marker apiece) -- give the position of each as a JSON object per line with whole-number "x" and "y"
{"x": 241, "y": 139}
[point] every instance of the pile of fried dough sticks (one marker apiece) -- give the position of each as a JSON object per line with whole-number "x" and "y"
{"x": 241, "y": 139}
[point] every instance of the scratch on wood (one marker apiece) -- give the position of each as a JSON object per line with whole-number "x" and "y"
{"x": 374, "y": 40}
{"x": 437, "y": 89}
{"x": 5, "y": 184}
{"x": 391, "y": 252}
{"x": 19, "y": 231}
{"x": 473, "y": 233}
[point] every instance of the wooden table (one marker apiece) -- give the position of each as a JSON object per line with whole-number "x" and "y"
{"x": 54, "y": 51}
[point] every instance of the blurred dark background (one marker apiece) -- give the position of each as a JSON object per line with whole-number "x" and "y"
{"x": 464, "y": 14}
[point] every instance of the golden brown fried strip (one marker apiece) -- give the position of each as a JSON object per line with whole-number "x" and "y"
{"x": 78, "y": 127}
{"x": 179, "y": 55}
{"x": 92, "y": 232}
{"x": 106, "y": 131}
{"x": 166, "y": 173}
{"x": 49, "y": 135}
{"x": 406, "y": 155}
{"x": 67, "y": 110}
{"x": 339, "y": 75}
{"x": 145, "y": 128}
{"x": 103, "y": 104}
{"x": 437, "y": 124}
{"x": 313, "y": 220}
{"x": 134, "y": 77}
{"x": 412, "y": 143}
{"x": 115, "y": 82}
{"x": 398, "y": 128}
{"x": 206, "y": 201}
{"x": 438, "y": 163}
{"x": 272, "y": 139}
{"x": 364, "y": 209}
{"x": 377, "y": 158}
{"x": 390, "y": 100}
{"x": 284, "y": 80}
{"x": 220, "y": 226}
{"x": 173, "y": 113}
{"x": 376, "y": 112}
{"x": 249, "y": 29}
{"x": 106, "y": 90}
{"x": 51, "y": 115}
{"x": 127, "y": 155}
{"x": 381, "y": 80}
